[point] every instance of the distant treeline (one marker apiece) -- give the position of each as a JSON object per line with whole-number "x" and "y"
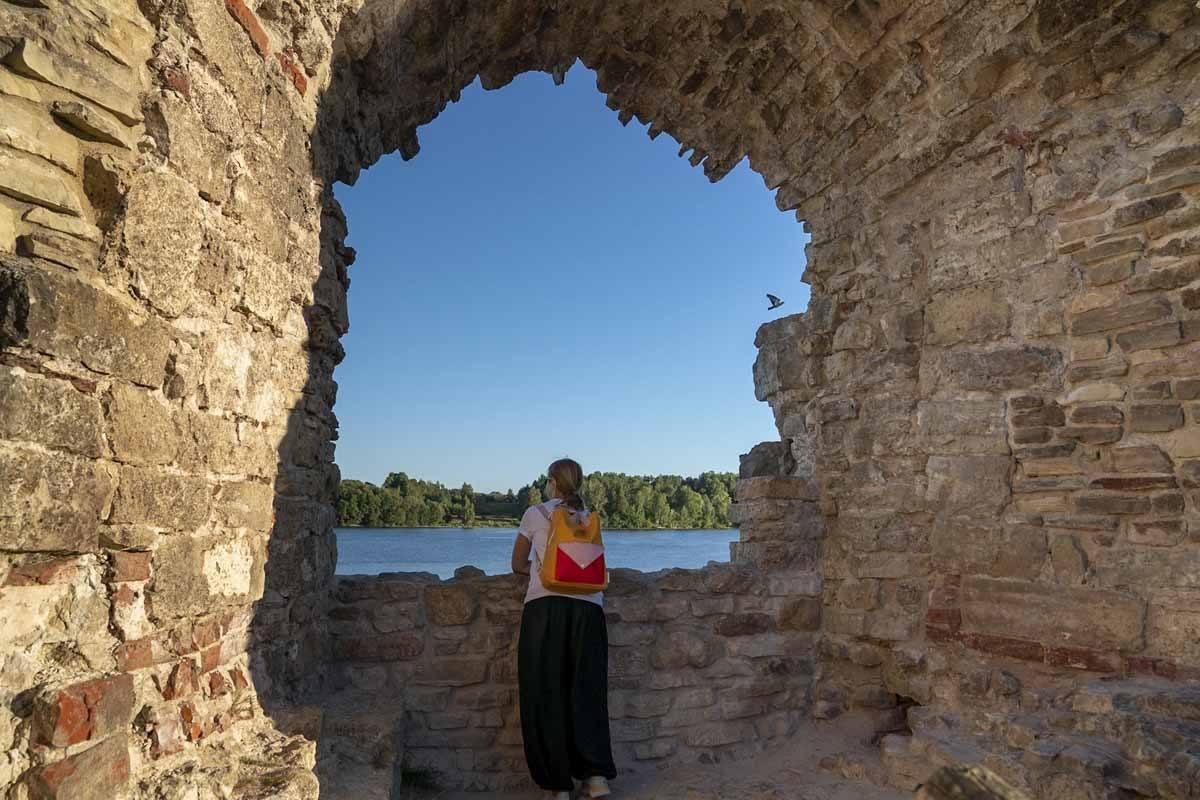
{"x": 623, "y": 501}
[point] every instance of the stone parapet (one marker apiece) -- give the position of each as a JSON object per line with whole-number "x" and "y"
{"x": 704, "y": 665}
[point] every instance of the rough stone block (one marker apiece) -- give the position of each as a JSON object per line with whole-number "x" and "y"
{"x": 142, "y": 427}
{"x": 718, "y": 734}
{"x": 26, "y": 127}
{"x": 92, "y": 123}
{"x": 1152, "y": 338}
{"x": 966, "y": 426}
{"x": 1147, "y": 209}
{"x": 1156, "y": 417}
{"x": 1164, "y": 279}
{"x": 194, "y": 573}
{"x": 162, "y": 240}
{"x": 165, "y": 500}
{"x": 1119, "y": 315}
{"x": 99, "y": 773}
{"x": 49, "y": 412}
{"x": 993, "y": 370}
{"x": 451, "y": 671}
{"x": 767, "y": 459}
{"x": 968, "y": 484}
{"x": 245, "y": 504}
{"x": 786, "y": 583}
{"x": 84, "y": 711}
{"x": 967, "y": 315}
{"x": 30, "y": 58}
{"x": 51, "y": 502}
{"x": 76, "y": 321}
{"x": 1059, "y": 615}
{"x": 35, "y": 181}
{"x": 680, "y": 649}
{"x": 392, "y": 647}
{"x": 449, "y": 605}
{"x": 1158, "y": 567}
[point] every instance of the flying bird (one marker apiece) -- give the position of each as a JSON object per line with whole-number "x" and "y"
{"x": 775, "y": 302}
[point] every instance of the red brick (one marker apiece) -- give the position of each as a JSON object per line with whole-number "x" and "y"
{"x": 84, "y": 711}
{"x": 205, "y": 633}
{"x": 293, "y": 71}
{"x": 210, "y": 658}
{"x": 178, "y": 641}
{"x": 249, "y": 22}
{"x": 166, "y": 734}
{"x": 948, "y": 617}
{"x": 131, "y": 566}
{"x": 191, "y": 722}
{"x": 239, "y": 679}
{"x": 177, "y": 80}
{"x": 1079, "y": 658}
{"x": 1151, "y": 666}
{"x": 182, "y": 681}
{"x": 135, "y": 654}
{"x": 100, "y": 771}
{"x": 41, "y": 571}
{"x": 217, "y": 684}
{"x": 935, "y": 634}
{"x": 124, "y": 595}
{"x": 1004, "y": 646}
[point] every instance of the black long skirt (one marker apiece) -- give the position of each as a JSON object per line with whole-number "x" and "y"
{"x": 562, "y": 666}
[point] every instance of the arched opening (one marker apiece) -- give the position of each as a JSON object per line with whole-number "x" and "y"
{"x": 439, "y": 649}
{"x": 533, "y": 239}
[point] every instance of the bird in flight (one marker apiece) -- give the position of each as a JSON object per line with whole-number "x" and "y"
{"x": 775, "y": 302}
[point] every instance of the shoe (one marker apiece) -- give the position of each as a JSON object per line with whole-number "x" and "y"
{"x": 597, "y": 786}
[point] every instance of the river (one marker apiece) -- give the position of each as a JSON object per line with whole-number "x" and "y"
{"x": 370, "y": 551}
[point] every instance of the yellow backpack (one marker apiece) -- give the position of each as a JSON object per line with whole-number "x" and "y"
{"x": 574, "y": 559}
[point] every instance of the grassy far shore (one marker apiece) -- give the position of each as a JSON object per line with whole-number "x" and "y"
{"x": 624, "y": 502}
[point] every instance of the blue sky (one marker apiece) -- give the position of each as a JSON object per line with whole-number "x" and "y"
{"x": 541, "y": 281}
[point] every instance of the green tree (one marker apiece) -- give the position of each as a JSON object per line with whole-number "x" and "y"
{"x": 467, "y": 501}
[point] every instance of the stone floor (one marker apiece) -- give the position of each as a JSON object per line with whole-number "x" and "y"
{"x": 823, "y": 761}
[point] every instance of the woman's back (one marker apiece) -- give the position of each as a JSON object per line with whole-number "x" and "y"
{"x": 535, "y": 526}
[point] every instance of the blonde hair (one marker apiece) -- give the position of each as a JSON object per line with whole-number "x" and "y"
{"x": 568, "y": 477}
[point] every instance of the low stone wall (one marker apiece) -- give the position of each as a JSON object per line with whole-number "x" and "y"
{"x": 704, "y": 665}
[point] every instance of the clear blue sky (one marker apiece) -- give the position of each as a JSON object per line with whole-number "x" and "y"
{"x": 541, "y": 281}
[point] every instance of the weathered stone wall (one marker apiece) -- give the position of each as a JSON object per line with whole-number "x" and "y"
{"x": 995, "y": 376}
{"x": 704, "y": 664}
{"x": 991, "y": 398}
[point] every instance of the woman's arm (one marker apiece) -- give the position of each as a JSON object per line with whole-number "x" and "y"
{"x": 520, "y": 555}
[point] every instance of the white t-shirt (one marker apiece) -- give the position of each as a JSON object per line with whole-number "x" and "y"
{"x": 536, "y": 528}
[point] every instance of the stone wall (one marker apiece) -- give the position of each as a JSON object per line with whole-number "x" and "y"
{"x": 989, "y": 406}
{"x": 706, "y": 665}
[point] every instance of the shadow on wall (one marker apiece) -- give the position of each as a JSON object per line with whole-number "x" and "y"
{"x": 338, "y": 659}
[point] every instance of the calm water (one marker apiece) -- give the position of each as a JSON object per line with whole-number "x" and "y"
{"x": 370, "y": 551}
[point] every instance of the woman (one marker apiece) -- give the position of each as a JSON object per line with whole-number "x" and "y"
{"x": 562, "y": 660}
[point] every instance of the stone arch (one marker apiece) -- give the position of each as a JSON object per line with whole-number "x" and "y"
{"x": 990, "y": 404}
